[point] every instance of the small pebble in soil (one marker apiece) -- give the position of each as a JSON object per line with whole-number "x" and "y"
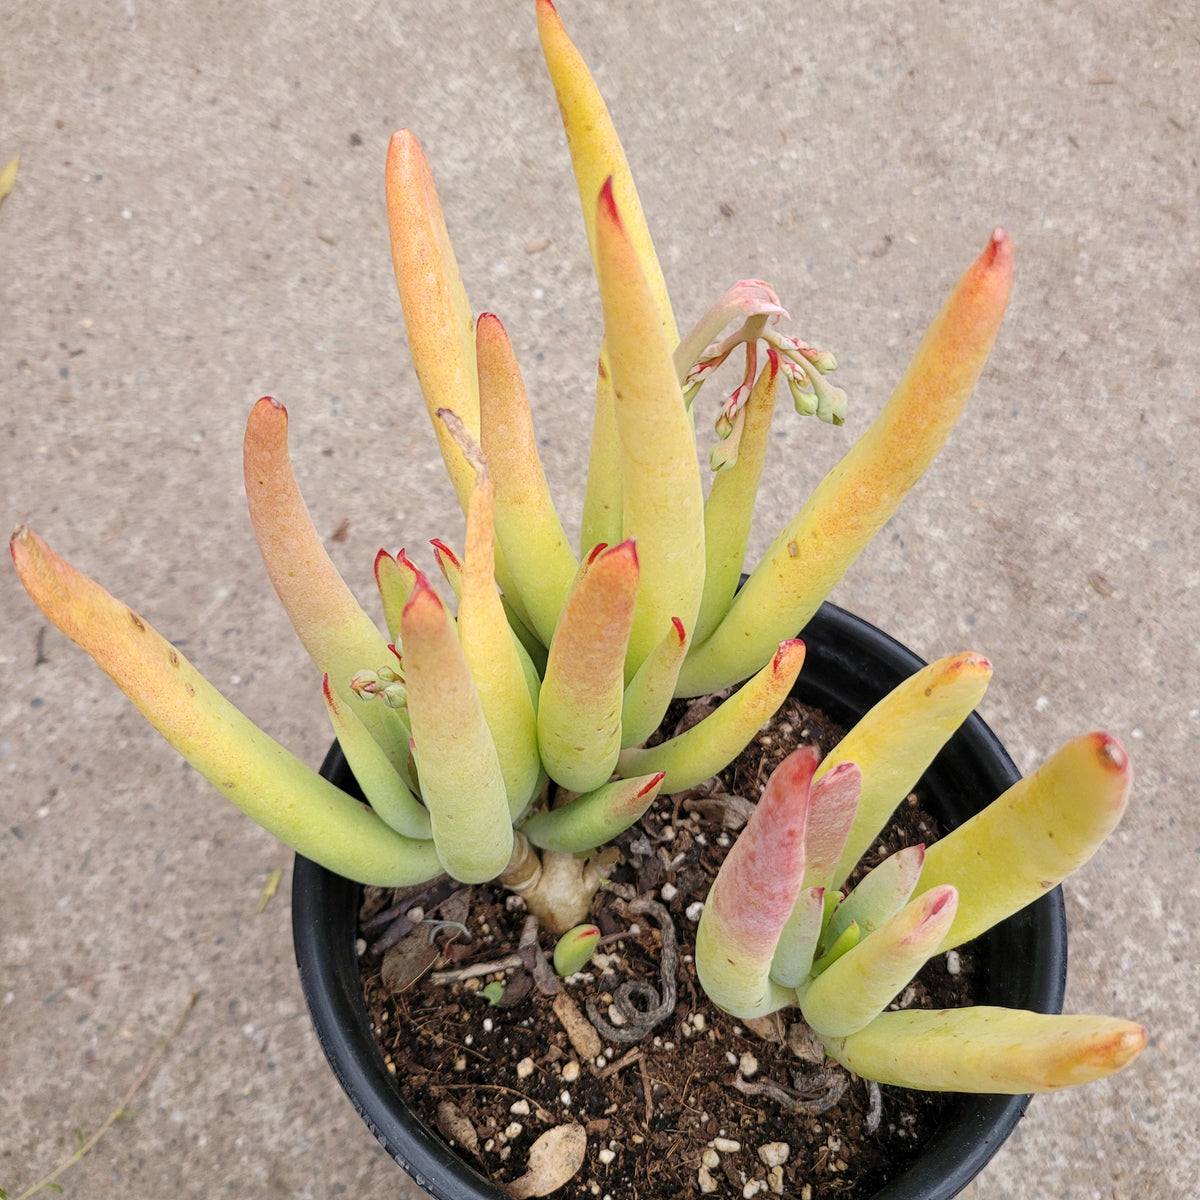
{"x": 953, "y": 962}
{"x": 726, "y": 1145}
{"x": 668, "y": 892}
{"x": 525, "y": 1068}
{"x": 774, "y": 1154}
{"x": 748, "y": 1065}
{"x": 694, "y": 910}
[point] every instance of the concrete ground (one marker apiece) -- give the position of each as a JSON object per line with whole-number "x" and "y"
{"x": 198, "y": 220}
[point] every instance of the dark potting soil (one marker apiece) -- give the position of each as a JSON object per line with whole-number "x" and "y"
{"x": 702, "y": 1103}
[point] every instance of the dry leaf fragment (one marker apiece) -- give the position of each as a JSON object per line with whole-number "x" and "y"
{"x": 554, "y": 1159}
{"x": 269, "y": 888}
{"x": 455, "y": 1127}
{"x": 583, "y": 1036}
{"x": 8, "y": 177}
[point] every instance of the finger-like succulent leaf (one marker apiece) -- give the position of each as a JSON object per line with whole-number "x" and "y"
{"x": 601, "y": 520}
{"x": 798, "y": 941}
{"x": 831, "y": 813}
{"x": 579, "y": 708}
{"x": 650, "y": 690}
{"x": 661, "y": 498}
{"x": 880, "y": 894}
{"x": 461, "y": 779}
{"x": 863, "y": 490}
{"x": 596, "y": 154}
{"x": 395, "y": 578}
{"x": 437, "y": 314}
{"x": 853, "y": 991}
{"x": 273, "y": 787}
{"x": 715, "y": 742}
{"x": 729, "y": 509}
{"x": 590, "y": 820}
{"x": 527, "y": 526}
{"x": 491, "y": 650}
{"x": 385, "y": 791}
{"x": 896, "y": 741}
{"x": 754, "y": 894}
{"x": 986, "y": 1049}
{"x": 1033, "y": 836}
{"x": 339, "y": 636}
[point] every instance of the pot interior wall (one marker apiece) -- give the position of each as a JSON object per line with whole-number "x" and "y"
{"x": 849, "y": 666}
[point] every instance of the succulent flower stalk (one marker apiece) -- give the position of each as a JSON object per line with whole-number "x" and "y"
{"x": 507, "y": 741}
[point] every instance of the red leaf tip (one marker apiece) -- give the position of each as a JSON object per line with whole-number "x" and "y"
{"x": 607, "y": 203}
{"x": 1111, "y": 753}
{"x": 999, "y": 250}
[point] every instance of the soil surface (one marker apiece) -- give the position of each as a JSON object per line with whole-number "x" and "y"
{"x": 701, "y": 1103}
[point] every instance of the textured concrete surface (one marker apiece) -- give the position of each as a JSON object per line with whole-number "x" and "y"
{"x": 198, "y": 220}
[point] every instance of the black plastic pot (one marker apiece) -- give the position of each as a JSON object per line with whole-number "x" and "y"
{"x": 849, "y": 665}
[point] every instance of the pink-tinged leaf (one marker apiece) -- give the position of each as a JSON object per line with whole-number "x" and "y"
{"x": 591, "y": 820}
{"x": 989, "y": 1050}
{"x": 437, "y": 314}
{"x": 457, "y": 763}
{"x": 754, "y": 894}
{"x": 527, "y": 525}
{"x": 852, "y": 992}
{"x": 715, "y": 742}
{"x": 339, "y": 636}
{"x": 880, "y": 894}
{"x": 273, "y": 788}
{"x": 832, "y": 809}
{"x": 1032, "y": 837}
{"x": 862, "y": 491}
{"x": 579, "y": 709}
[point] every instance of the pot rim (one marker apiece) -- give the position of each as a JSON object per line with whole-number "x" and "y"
{"x": 847, "y": 660}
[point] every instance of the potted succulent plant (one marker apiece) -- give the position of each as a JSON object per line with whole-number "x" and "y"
{"x": 511, "y": 741}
